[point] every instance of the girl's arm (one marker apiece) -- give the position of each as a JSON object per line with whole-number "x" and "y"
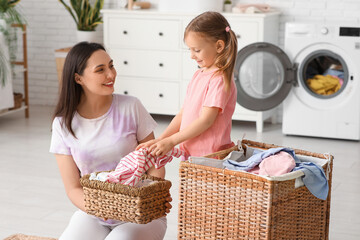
{"x": 70, "y": 175}
{"x": 200, "y": 125}
{"x": 173, "y": 127}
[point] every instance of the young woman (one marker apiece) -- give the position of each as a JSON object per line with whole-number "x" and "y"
{"x": 92, "y": 129}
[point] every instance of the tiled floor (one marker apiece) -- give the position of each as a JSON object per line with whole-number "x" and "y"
{"x": 33, "y": 200}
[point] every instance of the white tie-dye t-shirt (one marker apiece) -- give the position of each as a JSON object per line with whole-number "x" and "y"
{"x": 103, "y": 141}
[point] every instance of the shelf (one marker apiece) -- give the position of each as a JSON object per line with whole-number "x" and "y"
{"x": 19, "y": 70}
{"x": 6, "y": 112}
{"x": 21, "y": 67}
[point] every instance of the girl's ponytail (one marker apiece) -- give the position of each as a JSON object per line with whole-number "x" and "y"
{"x": 226, "y": 60}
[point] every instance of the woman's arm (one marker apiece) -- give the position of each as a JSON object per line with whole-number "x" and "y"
{"x": 70, "y": 175}
{"x": 206, "y": 119}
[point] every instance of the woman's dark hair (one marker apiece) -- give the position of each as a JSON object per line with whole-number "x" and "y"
{"x": 70, "y": 93}
{"x": 214, "y": 26}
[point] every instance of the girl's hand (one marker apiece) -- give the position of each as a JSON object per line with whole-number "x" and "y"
{"x": 168, "y": 206}
{"x": 162, "y": 147}
{"x": 147, "y": 144}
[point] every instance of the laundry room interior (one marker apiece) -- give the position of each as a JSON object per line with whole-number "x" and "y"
{"x": 296, "y": 73}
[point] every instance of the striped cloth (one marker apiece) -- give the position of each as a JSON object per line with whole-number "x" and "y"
{"x": 135, "y": 164}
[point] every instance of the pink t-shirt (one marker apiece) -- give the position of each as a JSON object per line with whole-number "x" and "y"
{"x": 207, "y": 89}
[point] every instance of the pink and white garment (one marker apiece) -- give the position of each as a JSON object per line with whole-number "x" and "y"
{"x": 135, "y": 164}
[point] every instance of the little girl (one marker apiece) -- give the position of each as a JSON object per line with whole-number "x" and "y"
{"x": 203, "y": 125}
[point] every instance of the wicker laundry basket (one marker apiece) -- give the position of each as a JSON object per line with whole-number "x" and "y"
{"x": 21, "y": 236}
{"x": 216, "y": 203}
{"x": 18, "y": 98}
{"x": 126, "y": 203}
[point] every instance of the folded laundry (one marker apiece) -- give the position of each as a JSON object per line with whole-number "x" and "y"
{"x": 131, "y": 167}
{"x": 135, "y": 164}
{"x": 251, "y": 8}
{"x": 255, "y": 159}
{"x": 101, "y": 176}
{"x": 314, "y": 177}
{"x": 275, "y": 165}
{"x": 104, "y": 176}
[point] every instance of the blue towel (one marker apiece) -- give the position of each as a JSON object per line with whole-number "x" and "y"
{"x": 314, "y": 177}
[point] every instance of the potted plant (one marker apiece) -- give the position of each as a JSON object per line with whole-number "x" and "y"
{"x": 4, "y": 69}
{"x": 6, "y": 89}
{"x": 86, "y": 17}
{"x": 8, "y": 15}
{"x": 227, "y": 6}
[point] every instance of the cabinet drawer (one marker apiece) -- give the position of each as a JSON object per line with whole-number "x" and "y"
{"x": 137, "y": 63}
{"x": 157, "y": 97}
{"x": 143, "y": 33}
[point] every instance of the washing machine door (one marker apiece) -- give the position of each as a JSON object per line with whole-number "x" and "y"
{"x": 263, "y": 76}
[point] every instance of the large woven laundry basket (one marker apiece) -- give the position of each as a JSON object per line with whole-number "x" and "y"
{"x": 216, "y": 203}
{"x": 126, "y": 203}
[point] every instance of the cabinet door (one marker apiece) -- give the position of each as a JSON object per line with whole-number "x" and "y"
{"x": 157, "y": 97}
{"x": 245, "y": 31}
{"x": 143, "y": 33}
{"x": 189, "y": 66}
{"x": 145, "y": 63}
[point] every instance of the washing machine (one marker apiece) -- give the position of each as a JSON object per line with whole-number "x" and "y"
{"x": 316, "y": 77}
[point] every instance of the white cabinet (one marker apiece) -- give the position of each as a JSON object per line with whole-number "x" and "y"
{"x": 154, "y": 64}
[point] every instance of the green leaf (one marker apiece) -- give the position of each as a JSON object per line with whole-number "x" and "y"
{"x": 69, "y": 9}
{"x": 88, "y": 17}
{"x": 4, "y": 68}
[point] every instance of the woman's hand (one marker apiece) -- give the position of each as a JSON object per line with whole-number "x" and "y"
{"x": 168, "y": 206}
{"x": 162, "y": 147}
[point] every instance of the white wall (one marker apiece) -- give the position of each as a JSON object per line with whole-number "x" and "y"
{"x": 51, "y": 27}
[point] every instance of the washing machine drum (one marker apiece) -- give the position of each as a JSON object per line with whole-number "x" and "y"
{"x": 263, "y": 76}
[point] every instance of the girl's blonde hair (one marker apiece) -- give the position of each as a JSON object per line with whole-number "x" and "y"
{"x": 215, "y": 26}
